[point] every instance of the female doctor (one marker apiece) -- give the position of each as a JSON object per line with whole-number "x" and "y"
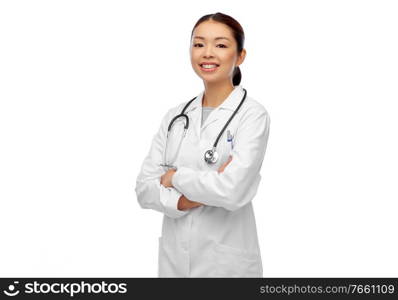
{"x": 204, "y": 181}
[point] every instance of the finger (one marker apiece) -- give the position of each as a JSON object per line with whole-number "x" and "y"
{"x": 222, "y": 167}
{"x": 227, "y": 162}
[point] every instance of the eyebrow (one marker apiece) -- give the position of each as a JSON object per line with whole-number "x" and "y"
{"x": 217, "y": 38}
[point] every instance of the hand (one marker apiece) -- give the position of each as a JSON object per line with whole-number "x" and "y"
{"x": 184, "y": 203}
{"x": 165, "y": 179}
{"x": 221, "y": 168}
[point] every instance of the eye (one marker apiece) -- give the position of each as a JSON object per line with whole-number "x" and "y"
{"x": 223, "y": 46}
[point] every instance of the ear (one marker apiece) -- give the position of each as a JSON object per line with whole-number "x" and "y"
{"x": 241, "y": 58}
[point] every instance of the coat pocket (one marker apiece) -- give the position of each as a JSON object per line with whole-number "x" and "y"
{"x": 233, "y": 262}
{"x": 172, "y": 260}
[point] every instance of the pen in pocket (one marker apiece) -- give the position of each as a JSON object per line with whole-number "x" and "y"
{"x": 230, "y": 138}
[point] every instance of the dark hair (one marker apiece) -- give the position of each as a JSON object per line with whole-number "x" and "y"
{"x": 237, "y": 32}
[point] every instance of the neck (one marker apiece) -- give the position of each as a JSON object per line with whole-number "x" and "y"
{"x": 215, "y": 94}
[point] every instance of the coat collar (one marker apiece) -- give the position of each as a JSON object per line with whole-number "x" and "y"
{"x": 228, "y": 105}
{"x": 231, "y": 102}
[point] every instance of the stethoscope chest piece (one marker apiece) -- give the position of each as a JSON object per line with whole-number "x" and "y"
{"x": 211, "y": 156}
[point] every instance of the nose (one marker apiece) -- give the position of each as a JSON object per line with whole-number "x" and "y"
{"x": 208, "y": 52}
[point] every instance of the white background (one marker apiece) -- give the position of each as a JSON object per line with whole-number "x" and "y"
{"x": 84, "y": 85}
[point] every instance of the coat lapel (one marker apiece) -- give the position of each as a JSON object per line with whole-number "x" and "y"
{"x": 219, "y": 114}
{"x": 194, "y": 112}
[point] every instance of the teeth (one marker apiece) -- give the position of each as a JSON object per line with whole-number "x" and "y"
{"x": 209, "y": 66}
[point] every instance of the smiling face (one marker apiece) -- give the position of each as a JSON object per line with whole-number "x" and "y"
{"x": 213, "y": 43}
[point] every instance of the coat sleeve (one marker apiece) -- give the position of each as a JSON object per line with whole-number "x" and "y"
{"x": 237, "y": 185}
{"x": 151, "y": 194}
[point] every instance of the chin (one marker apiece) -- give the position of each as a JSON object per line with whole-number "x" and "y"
{"x": 211, "y": 80}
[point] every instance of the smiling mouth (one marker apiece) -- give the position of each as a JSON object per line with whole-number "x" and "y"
{"x": 208, "y": 67}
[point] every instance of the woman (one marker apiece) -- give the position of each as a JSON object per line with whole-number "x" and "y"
{"x": 209, "y": 228}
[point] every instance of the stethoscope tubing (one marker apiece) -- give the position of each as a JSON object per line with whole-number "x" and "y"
{"x": 209, "y": 158}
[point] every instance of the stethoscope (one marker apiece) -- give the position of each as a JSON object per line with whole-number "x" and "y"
{"x": 211, "y": 155}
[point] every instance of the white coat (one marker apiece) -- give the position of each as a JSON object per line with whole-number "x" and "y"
{"x": 218, "y": 239}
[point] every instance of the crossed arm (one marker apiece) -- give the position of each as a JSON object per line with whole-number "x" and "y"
{"x": 171, "y": 192}
{"x": 184, "y": 203}
{"x": 151, "y": 194}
